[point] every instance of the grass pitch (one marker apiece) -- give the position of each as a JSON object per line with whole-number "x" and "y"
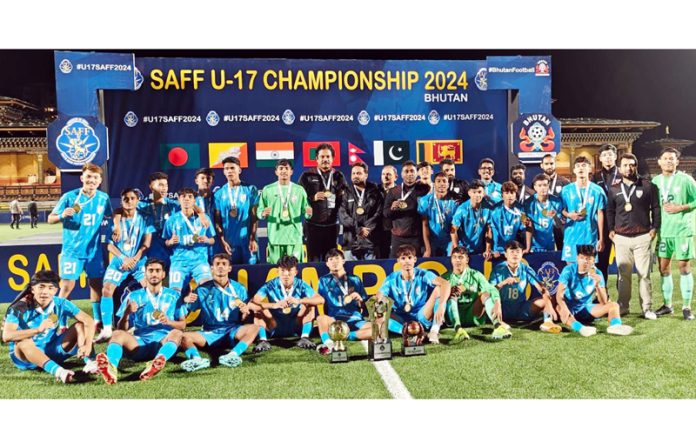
{"x": 656, "y": 361}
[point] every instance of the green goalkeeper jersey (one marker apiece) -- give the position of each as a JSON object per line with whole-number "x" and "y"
{"x": 287, "y": 204}
{"x": 680, "y": 189}
{"x": 472, "y": 283}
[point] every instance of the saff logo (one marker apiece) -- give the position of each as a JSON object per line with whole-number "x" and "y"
{"x": 481, "y": 79}
{"x": 288, "y": 117}
{"x": 212, "y": 118}
{"x": 549, "y": 275}
{"x": 130, "y": 119}
{"x": 363, "y": 117}
{"x": 77, "y": 142}
{"x": 138, "y": 79}
{"x": 433, "y": 117}
{"x": 65, "y": 66}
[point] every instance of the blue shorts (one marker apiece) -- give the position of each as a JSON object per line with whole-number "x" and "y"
{"x": 221, "y": 336}
{"x": 53, "y": 349}
{"x": 517, "y": 310}
{"x": 584, "y": 313}
{"x": 286, "y": 324}
{"x": 180, "y": 272}
{"x": 116, "y": 276}
{"x": 149, "y": 343}
{"x": 417, "y": 316}
{"x": 71, "y": 268}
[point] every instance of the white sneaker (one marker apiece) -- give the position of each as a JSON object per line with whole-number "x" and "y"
{"x": 588, "y": 331}
{"x": 620, "y": 330}
{"x": 104, "y": 335}
{"x": 64, "y": 375}
{"x": 650, "y": 315}
{"x": 434, "y": 337}
{"x": 91, "y": 367}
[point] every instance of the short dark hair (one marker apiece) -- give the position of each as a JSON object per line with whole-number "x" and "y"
{"x": 423, "y": 164}
{"x": 517, "y": 166}
{"x": 333, "y": 252}
{"x": 672, "y": 150}
{"x": 539, "y": 177}
{"x": 45, "y": 276}
{"x": 486, "y": 160}
{"x": 582, "y": 159}
{"x": 406, "y": 249}
{"x": 362, "y": 165}
{"x": 514, "y": 245}
{"x": 231, "y": 159}
{"x": 551, "y": 154}
{"x": 441, "y": 174}
{"x": 287, "y": 262}
{"x": 446, "y": 162}
{"x": 460, "y": 250}
{"x": 588, "y": 250}
{"x": 186, "y": 190}
{"x": 224, "y": 256}
{"x": 151, "y": 261}
{"x": 628, "y": 155}
{"x": 324, "y": 146}
{"x": 205, "y": 172}
{"x": 125, "y": 191}
{"x": 607, "y": 147}
{"x": 92, "y": 167}
{"x": 157, "y": 175}
{"x": 408, "y": 163}
{"x": 476, "y": 184}
{"x": 283, "y": 162}
{"x": 509, "y": 187}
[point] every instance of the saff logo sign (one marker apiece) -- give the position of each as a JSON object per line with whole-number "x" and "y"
{"x": 212, "y": 118}
{"x": 363, "y": 117}
{"x": 77, "y": 143}
{"x": 535, "y": 136}
{"x": 549, "y": 275}
{"x": 130, "y": 119}
{"x": 542, "y": 68}
{"x": 288, "y": 117}
{"x": 481, "y": 79}
{"x": 65, "y": 66}
{"x": 138, "y": 79}
{"x": 433, "y": 117}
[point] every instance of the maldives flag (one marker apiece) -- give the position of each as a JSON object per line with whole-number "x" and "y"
{"x": 181, "y": 156}
{"x": 309, "y": 153}
{"x": 353, "y": 156}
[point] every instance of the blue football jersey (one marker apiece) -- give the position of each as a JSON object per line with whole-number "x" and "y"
{"x": 332, "y": 290}
{"x": 516, "y": 291}
{"x": 542, "y": 216}
{"x": 471, "y": 226}
{"x": 579, "y": 289}
{"x": 81, "y": 231}
{"x": 207, "y": 204}
{"x": 187, "y": 250}
{"x": 273, "y": 290}
{"x": 219, "y": 306}
{"x": 493, "y": 192}
{"x": 143, "y": 320}
{"x": 505, "y": 224}
{"x": 132, "y": 232}
{"x": 439, "y": 213}
{"x": 26, "y": 318}
{"x": 417, "y": 290}
{"x": 159, "y": 214}
{"x": 235, "y": 205}
{"x": 584, "y": 231}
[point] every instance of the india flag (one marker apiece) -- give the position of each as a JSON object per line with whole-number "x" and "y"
{"x": 268, "y": 153}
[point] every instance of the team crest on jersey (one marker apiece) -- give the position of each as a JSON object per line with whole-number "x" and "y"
{"x": 639, "y": 194}
{"x": 549, "y": 275}
{"x": 100, "y": 209}
{"x": 78, "y": 143}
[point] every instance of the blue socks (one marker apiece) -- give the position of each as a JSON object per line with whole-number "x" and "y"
{"x": 114, "y": 352}
{"x": 50, "y": 367}
{"x": 306, "y": 329}
{"x": 262, "y": 334}
{"x": 324, "y": 337}
{"x": 352, "y": 336}
{"x": 96, "y": 311}
{"x": 107, "y": 310}
{"x": 192, "y": 353}
{"x": 576, "y": 326}
{"x": 395, "y": 327}
{"x": 240, "y": 348}
{"x": 615, "y": 321}
{"x": 168, "y": 350}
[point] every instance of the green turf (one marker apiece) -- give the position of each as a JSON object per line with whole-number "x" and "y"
{"x": 655, "y": 362}
{"x": 7, "y": 234}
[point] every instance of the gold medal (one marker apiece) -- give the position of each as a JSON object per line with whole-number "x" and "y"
{"x": 403, "y": 205}
{"x": 76, "y": 206}
{"x": 516, "y": 279}
{"x": 233, "y": 212}
{"x": 544, "y": 212}
{"x": 126, "y": 247}
{"x": 286, "y": 213}
{"x": 523, "y": 217}
{"x": 360, "y": 211}
{"x": 582, "y": 211}
{"x": 287, "y": 310}
{"x": 53, "y": 317}
{"x": 236, "y": 303}
{"x": 407, "y": 307}
{"x": 328, "y": 193}
{"x": 156, "y": 314}
{"x": 628, "y": 207}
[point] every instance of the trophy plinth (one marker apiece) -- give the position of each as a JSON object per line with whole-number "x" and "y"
{"x": 378, "y": 351}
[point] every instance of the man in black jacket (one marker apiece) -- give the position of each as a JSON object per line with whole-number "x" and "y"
{"x": 556, "y": 184}
{"x": 457, "y": 188}
{"x": 360, "y": 214}
{"x": 325, "y": 188}
{"x": 607, "y": 177}
{"x": 389, "y": 176}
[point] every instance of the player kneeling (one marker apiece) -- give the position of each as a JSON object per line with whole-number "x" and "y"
{"x": 577, "y": 286}
{"x": 512, "y": 277}
{"x": 470, "y": 298}
{"x": 152, "y": 312}
{"x": 223, "y": 305}
{"x": 289, "y": 306}
{"x": 344, "y": 296}
{"x": 30, "y": 328}
{"x": 417, "y": 295}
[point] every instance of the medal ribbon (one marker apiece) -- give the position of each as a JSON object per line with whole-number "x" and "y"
{"x": 235, "y": 198}
{"x": 154, "y": 300}
{"x": 583, "y": 198}
{"x": 553, "y": 185}
{"x": 360, "y": 196}
{"x": 343, "y": 286}
{"x": 284, "y": 200}
{"x": 665, "y": 191}
{"x": 135, "y": 230}
{"x": 327, "y": 185}
{"x": 404, "y": 197}
{"x": 192, "y": 228}
{"x": 440, "y": 214}
{"x": 407, "y": 291}
{"x": 628, "y": 195}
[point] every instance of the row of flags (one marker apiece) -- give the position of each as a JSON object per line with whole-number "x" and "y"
{"x": 266, "y": 154}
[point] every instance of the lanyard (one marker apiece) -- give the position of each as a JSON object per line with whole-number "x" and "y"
{"x": 440, "y": 214}
{"x": 407, "y": 291}
{"x": 545, "y": 207}
{"x": 514, "y": 274}
{"x": 284, "y": 200}
{"x": 135, "y": 229}
{"x": 235, "y": 197}
{"x": 233, "y": 299}
{"x": 287, "y": 294}
{"x": 477, "y": 215}
{"x": 628, "y": 195}
{"x": 553, "y": 185}
{"x": 522, "y": 192}
{"x": 164, "y": 210}
{"x": 607, "y": 185}
{"x": 360, "y": 196}
{"x": 404, "y": 197}
{"x": 343, "y": 286}
{"x": 665, "y": 191}
{"x": 583, "y": 199}
{"x": 154, "y": 300}
{"x": 79, "y": 195}
{"x": 327, "y": 185}
{"x": 192, "y": 228}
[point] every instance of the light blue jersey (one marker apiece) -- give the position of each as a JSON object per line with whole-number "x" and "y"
{"x": 219, "y": 306}
{"x": 234, "y": 205}
{"x": 81, "y": 232}
{"x": 143, "y": 320}
{"x": 471, "y": 226}
{"x": 542, "y": 216}
{"x": 439, "y": 213}
{"x": 207, "y": 204}
{"x": 187, "y": 250}
{"x": 133, "y": 230}
{"x": 580, "y": 289}
{"x": 404, "y": 293}
{"x": 493, "y": 192}
{"x": 517, "y": 291}
{"x": 273, "y": 290}
{"x": 585, "y": 231}
{"x": 334, "y": 291}
{"x": 505, "y": 223}
{"x": 27, "y": 318}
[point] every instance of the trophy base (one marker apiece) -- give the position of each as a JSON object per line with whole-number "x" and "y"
{"x": 380, "y": 350}
{"x": 338, "y": 357}
{"x": 415, "y": 350}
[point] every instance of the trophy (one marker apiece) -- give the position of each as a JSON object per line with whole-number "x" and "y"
{"x": 338, "y": 332}
{"x": 413, "y": 336}
{"x": 379, "y": 346}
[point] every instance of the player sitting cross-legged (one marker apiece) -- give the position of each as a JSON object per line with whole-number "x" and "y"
{"x": 223, "y": 305}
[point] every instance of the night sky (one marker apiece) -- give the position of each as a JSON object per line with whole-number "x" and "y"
{"x": 652, "y": 85}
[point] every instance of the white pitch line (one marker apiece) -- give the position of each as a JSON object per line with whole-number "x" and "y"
{"x": 390, "y": 378}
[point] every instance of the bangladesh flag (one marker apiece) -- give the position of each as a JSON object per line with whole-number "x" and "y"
{"x": 180, "y": 156}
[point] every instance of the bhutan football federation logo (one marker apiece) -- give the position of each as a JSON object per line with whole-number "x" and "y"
{"x": 537, "y": 136}
{"x": 77, "y": 142}
{"x": 549, "y": 275}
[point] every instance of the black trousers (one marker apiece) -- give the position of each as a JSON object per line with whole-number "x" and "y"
{"x": 15, "y": 220}
{"x": 397, "y": 241}
{"x": 34, "y": 220}
{"x": 603, "y": 256}
{"x": 319, "y": 240}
